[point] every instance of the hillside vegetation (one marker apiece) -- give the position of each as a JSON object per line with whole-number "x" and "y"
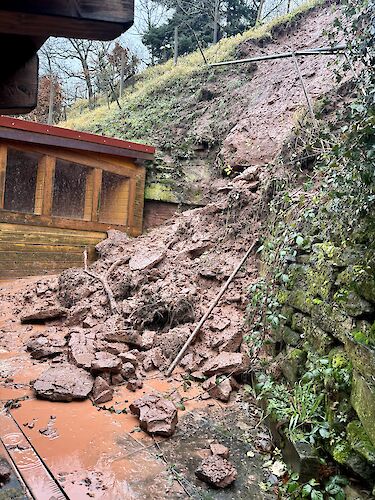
{"x": 198, "y": 117}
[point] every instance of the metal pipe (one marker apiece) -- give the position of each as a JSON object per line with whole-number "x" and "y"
{"x": 306, "y": 52}
{"x": 209, "y": 311}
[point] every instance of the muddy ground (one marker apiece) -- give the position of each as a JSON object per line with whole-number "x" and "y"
{"x": 125, "y": 334}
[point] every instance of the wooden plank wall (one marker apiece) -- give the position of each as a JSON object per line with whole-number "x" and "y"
{"x": 27, "y": 250}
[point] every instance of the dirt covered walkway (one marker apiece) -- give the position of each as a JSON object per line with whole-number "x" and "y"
{"x": 87, "y": 410}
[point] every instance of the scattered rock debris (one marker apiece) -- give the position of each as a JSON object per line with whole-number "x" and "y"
{"x": 216, "y": 471}
{"x": 161, "y": 282}
{"x": 156, "y": 415}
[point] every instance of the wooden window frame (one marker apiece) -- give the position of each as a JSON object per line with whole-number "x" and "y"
{"x": 42, "y": 215}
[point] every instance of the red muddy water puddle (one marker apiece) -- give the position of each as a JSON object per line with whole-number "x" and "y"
{"x": 96, "y": 453}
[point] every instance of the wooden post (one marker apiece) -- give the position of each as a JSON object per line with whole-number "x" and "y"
{"x": 96, "y": 192}
{"x": 44, "y": 186}
{"x": 88, "y": 203}
{"x": 3, "y": 168}
{"x": 175, "y": 49}
{"x": 92, "y": 194}
{"x": 131, "y": 204}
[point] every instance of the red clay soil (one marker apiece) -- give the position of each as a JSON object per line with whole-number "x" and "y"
{"x": 161, "y": 283}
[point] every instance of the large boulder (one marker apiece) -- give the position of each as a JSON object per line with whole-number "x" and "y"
{"x": 227, "y": 362}
{"x": 42, "y": 311}
{"x": 64, "y": 383}
{"x": 106, "y": 362}
{"x": 43, "y": 347}
{"x": 156, "y": 415}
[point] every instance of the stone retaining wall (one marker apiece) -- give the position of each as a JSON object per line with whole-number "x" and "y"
{"x": 329, "y": 309}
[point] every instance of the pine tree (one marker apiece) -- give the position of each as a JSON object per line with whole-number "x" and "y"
{"x": 195, "y": 21}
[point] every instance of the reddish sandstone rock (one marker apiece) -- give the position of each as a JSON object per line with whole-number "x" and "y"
{"x": 42, "y": 347}
{"x": 156, "y": 414}
{"x": 171, "y": 342}
{"x": 128, "y": 357}
{"x": 216, "y": 471}
{"x": 101, "y": 392}
{"x": 43, "y": 311}
{"x": 128, "y": 370}
{"x": 146, "y": 259}
{"x": 227, "y": 362}
{"x": 134, "y": 384}
{"x": 148, "y": 339}
{"x": 106, "y": 362}
{"x": 220, "y": 450}
{"x": 217, "y": 389}
{"x": 81, "y": 349}
{"x": 228, "y": 341}
{"x": 117, "y": 379}
{"x": 65, "y": 382}
{"x": 154, "y": 359}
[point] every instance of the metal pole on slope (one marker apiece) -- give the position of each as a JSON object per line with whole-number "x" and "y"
{"x": 309, "y": 103}
{"x": 209, "y": 311}
{"x": 307, "y": 52}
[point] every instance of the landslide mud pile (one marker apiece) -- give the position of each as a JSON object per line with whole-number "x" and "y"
{"x": 134, "y": 308}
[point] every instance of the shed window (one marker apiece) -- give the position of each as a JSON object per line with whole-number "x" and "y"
{"x": 69, "y": 189}
{"x": 20, "y": 180}
{"x": 114, "y": 202}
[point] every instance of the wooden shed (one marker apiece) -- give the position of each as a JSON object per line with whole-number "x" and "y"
{"x": 60, "y": 191}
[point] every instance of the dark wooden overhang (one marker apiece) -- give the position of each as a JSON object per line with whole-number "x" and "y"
{"x": 26, "y": 24}
{"x": 13, "y": 129}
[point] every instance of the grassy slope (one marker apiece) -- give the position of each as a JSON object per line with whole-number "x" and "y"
{"x": 163, "y": 106}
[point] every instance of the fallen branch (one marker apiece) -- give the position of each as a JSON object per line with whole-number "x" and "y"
{"x": 104, "y": 283}
{"x": 209, "y": 311}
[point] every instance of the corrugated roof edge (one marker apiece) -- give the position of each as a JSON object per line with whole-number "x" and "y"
{"x": 52, "y": 130}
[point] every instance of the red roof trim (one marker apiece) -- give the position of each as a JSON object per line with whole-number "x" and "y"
{"x": 39, "y": 128}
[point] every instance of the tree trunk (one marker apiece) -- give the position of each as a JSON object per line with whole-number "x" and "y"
{"x": 175, "y": 50}
{"x": 51, "y": 100}
{"x": 260, "y": 10}
{"x": 216, "y": 21}
{"x": 122, "y": 70}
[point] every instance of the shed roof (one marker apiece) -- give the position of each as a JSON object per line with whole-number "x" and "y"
{"x": 38, "y": 133}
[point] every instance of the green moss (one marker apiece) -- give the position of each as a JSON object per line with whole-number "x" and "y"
{"x": 160, "y": 192}
{"x": 360, "y": 441}
{"x": 282, "y": 296}
{"x": 363, "y": 401}
{"x": 365, "y": 338}
{"x": 341, "y": 452}
{"x": 293, "y": 363}
{"x": 339, "y": 358}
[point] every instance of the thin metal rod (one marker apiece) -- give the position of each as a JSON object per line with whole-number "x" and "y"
{"x": 209, "y": 311}
{"x": 281, "y": 55}
{"x": 309, "y": 103}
